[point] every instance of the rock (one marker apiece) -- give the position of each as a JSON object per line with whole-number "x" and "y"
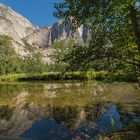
{"x": 16, "y": 24}
{"x": 48, "y": 35}
{"x": 40, "y": 38}
{"x": 21, "y": 30}
{"x": 17, "y": 27}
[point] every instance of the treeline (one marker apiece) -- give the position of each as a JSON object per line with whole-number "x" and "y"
{"x": 10, "y": 62}
{"x": 72, "y": 57}
{"x": 65, "y": 64}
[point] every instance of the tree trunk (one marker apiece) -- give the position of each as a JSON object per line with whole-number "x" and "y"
{"x": 136, "y": 34}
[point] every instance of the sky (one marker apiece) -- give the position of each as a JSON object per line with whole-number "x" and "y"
{"x": 39, "y": 12}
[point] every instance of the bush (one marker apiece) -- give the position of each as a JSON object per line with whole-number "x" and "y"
{"x": 73, "y": 76}
{"x": 33, "y": 64}
{"x": 9, "y": 60}
{"x": 90, "y": 75}
{"x": 101, "y": 75}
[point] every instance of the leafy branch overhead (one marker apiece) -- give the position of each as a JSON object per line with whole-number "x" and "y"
{"x": 115, "y": 31}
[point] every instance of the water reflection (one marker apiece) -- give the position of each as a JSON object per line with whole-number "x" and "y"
{"x": 64, "y": 110}
{"x": 66, "y": 125}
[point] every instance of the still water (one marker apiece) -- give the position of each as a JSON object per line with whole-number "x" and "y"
{"x": 66, "y": 110}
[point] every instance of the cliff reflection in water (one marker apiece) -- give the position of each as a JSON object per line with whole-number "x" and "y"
{"x": 64, "y": 110}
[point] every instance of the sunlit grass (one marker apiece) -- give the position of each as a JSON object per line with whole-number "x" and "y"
{"x": 59, "y": 76}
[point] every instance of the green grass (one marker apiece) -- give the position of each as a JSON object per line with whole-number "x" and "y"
{"x": 58, "y": 76}
{"x": 50, "y": 76}
{"x": 11, "y": 77}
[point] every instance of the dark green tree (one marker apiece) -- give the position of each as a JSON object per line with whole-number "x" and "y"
{"x": 9, "y": 60}
{"x": 34, "y": 64}
{"x": 60, "y": 49}
{"x": 115, "y": 32}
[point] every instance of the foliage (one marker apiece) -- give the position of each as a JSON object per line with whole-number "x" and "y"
{"x": 28, "y": 46}
{"x": 103, "y": 76}
{"x": 60, "y": 50}
{"x": 56, "y": 67}
{"x": 33, "y": 64}
{"x": 115, "y": 33}
{"x": 9, "y": 61}
{"x": 50, "y": 76}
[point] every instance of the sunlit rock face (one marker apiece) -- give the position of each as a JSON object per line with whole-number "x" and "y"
{"x": 61, "y": 31}
{"x": 40, "y": 38}
{"x": 17, "y": 27}
{"x": 21, "y": 29}
{"x": 16, "y": 24}
{"x": 48, "y": 35}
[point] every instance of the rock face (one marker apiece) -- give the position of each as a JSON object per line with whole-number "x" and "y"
{"x": 15, "y": 26}
{"x": 41, "y": 38}
{"x": 48, "y": 35}
{"x": 20, "y": 28}
{"x": 13, "y": 23}
{"x": 60, "y": 31}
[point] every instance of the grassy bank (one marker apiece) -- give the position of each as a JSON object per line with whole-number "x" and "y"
{"x": 49, "y": 76}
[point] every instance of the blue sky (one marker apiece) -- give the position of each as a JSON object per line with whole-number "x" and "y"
{"x": 39, "y": 12}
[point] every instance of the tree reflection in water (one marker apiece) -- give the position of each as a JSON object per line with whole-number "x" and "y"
{"x": 62, "y": 111}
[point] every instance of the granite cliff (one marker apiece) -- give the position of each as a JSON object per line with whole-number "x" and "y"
{"x": 48, "y": 35}
{"x": 15, "y": 26}
{"x": 23, "y": 32}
